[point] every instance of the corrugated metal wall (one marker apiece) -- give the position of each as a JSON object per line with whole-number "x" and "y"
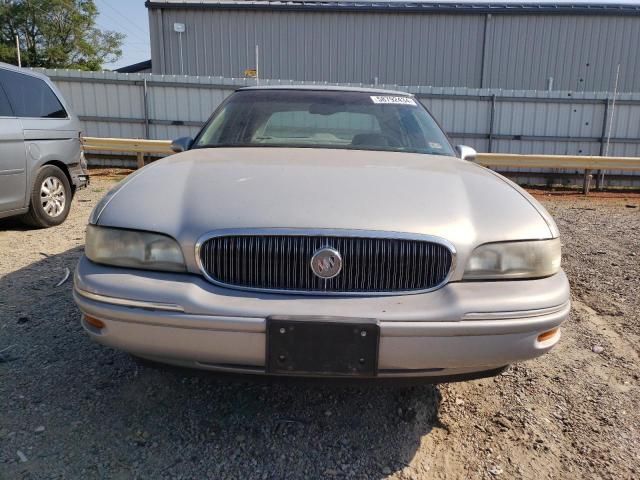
{"x": 507, "y": 121}
{"x": 580, "y": 52}
{"x": 515, "y": 51}
{"x": 334, "y": 47}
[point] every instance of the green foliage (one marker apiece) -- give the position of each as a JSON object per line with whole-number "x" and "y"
{"x": 56, "y": 34}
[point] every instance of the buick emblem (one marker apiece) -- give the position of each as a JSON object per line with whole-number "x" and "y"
{"x": 326, "y": 263}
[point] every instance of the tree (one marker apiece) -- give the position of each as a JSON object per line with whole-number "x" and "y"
{"x": 56, "y": 34}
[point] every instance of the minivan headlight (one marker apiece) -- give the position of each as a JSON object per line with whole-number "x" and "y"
{"x": 133, "y": 249}
{"x": 514, "y": 260}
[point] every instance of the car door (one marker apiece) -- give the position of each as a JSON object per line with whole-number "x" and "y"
{"x": 13, "y": 172}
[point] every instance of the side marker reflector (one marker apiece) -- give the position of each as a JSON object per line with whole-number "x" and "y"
{"x": 547, "y": 335}
{"x": 94, "y": 322}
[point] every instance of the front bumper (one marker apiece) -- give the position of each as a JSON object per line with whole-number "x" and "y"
{"x": 184, "y": 320}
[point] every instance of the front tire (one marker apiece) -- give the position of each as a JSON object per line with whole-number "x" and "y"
{"x": 50, "y": 198}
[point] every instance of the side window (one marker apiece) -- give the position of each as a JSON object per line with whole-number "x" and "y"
{"x": 31, "y": 97}
{"x": 5, "y": 108}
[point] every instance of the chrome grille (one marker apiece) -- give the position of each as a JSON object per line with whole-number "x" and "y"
{"x": 283, "y": 263}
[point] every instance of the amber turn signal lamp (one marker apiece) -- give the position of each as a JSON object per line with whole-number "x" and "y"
{"x": 547, "y": 335}
{"x": 94, "y": 322}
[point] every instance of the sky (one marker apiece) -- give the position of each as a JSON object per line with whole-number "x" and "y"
{"x": 130, "y": 17}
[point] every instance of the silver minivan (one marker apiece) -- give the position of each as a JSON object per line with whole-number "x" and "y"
{"x": 41, "y": 160}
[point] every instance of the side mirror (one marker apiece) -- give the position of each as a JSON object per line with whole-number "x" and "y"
{"x": 181, "y": 144}
{"x": 466, "y": 153}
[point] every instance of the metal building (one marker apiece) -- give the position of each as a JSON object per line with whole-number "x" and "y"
{"x": 533, "y": 46}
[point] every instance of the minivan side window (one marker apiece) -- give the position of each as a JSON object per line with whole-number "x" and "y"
{"x": 5, "y": 108}
{"x": 30, "y": 97}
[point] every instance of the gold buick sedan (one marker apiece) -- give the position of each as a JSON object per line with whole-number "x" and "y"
{"x": 325, "y": 232}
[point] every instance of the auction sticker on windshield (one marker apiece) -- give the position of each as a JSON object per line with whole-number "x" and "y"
{"x": 393, "y": 100}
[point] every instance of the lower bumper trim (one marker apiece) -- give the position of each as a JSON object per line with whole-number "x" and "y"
{"x": 400, "y": 376}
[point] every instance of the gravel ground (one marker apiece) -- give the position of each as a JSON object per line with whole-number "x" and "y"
{"x": 70, "y": 408}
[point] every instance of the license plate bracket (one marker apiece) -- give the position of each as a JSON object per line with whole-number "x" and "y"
{"x": 321, "y": 347}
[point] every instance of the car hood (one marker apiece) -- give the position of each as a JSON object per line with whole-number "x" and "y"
{"x": 191, "y": 193}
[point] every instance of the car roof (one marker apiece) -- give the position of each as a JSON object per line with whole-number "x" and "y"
{"x": 24, "y": 71}
{"x": 327, "y": 88}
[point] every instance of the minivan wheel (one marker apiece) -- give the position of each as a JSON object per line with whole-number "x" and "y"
{"x": 50, "y": 198}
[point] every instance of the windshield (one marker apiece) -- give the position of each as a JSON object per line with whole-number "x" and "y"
{"x": 324, "y": 119}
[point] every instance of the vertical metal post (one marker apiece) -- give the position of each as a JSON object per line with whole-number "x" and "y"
{"x": 18, "y": 50}
{"x": 586, "y": 182}
{"x": 179, "y": 28}
{"x": 181, "y": 59}
{"x": 145, "y": 106}
{"x": 603, "y": 134}
{"x": 257, "y": 65}
{"x": 492, "y": 117}
{"x": 613, "y": 110}
{"x": 145, "y": 101}
{"x": 603, "y": 138}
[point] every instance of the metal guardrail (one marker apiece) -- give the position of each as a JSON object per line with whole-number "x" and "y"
{"x": 496, "y": 160}
{"x": 132, "y": 145}
{"x": 562, "y": 162}
{"x": 567, "y": 162}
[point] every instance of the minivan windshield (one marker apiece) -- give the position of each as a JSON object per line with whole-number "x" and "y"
{"x": 324, "y": 119}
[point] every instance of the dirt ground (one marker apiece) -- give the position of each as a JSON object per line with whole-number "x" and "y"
{"x": 71, "y": 409}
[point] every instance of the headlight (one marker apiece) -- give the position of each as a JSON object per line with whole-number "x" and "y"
{"x": 514, "y": 260}
{"x": 133, "y": 249}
